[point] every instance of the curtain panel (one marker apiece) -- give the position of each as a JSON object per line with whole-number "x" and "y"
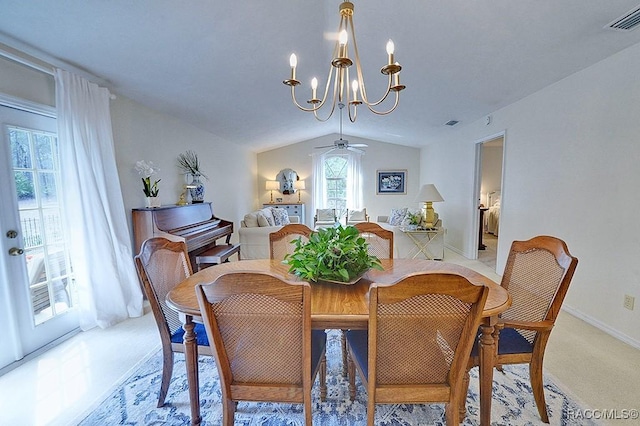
{"x": 101, "y": 256}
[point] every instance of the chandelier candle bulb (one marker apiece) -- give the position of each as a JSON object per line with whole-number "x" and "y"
{"x": 390, "y": 49}
{"x": 293, "y": 61}
{"x": 343, "y": 44}
{"x": 314, "y": 87}
{"x": 354, "y": 87}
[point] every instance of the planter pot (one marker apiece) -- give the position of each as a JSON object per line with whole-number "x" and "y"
{"x": 152, "y": 202}
{"x": 353, "y": 281}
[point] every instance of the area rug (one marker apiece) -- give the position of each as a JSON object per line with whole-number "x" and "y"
{"x": 134, "y": 401}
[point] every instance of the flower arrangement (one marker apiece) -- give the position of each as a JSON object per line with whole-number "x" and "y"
{"x": 146, "y": 170}
{"x": 188, "y": 162}
{"x": 334, "y": 254}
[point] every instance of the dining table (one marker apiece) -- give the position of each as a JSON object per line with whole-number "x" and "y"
{"x": 340, "y": 306}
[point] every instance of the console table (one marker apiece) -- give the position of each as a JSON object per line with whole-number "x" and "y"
{"x": 429, "y": 243}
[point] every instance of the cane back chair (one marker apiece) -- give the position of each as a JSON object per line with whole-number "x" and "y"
{"x": 260, "y": 329}
{"x": 162, "y": 264}
{"x": 537, "y": 275}
{"x": 380, "y": 240}
{"x": 420, "y": 335}
{"x": 281, "y": 241}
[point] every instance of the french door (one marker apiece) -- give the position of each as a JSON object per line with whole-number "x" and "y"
{"x": 36, "y": 278}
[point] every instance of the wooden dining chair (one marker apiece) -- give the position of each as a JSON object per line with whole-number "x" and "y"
{"x": 380, "y": 240}
{"x": 265, "y": 350}
{"x": 537, "y": 275}
{"x": 162, "y": 264}
{"x": 281, "y": 241}
{"x": 380, "y": 244}
{"x": 420, "y": 335}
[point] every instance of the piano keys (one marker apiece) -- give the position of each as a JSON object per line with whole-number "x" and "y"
{"x": 195, "y": 224}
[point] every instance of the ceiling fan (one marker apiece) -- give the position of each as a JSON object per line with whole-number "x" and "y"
{"x": 343, "y": 143}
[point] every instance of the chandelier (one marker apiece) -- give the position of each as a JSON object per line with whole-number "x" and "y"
{"x": 339, "y": 75}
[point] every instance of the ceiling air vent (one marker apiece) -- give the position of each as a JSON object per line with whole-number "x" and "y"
{"x": 451, "y": 123}
{"x": 626, "y": 22}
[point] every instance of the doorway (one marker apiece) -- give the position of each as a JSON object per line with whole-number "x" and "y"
{"x": 37, "y": 285}
{"x": 489, "y": 165}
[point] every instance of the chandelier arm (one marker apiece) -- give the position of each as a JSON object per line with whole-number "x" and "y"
{"x": 318, "y": 105}
{"x": 363, "y": 89}
{"x": 333, "y": 104}
{"x": 355, "y": 113}
{"x": 295, "y": 101}
{"x": 395, "y": 104}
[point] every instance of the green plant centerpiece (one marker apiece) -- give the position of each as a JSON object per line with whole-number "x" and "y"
{"x": 332, "y": 254}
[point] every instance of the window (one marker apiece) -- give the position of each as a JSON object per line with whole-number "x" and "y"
{"x": 335, "y": 171}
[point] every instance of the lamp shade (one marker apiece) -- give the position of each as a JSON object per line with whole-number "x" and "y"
{"x": 428, "y": 192}
{"x": 299, "y": 184}
{"x": 272, "y": 184}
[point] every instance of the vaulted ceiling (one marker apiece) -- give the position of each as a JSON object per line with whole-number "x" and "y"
{"x": 220, "y": 64}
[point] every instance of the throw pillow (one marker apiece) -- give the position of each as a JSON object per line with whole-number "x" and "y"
{"x": 262, "y": 220}
{"x": 326, "y": 215}
{"x": 280, "y": 216}
{"x": 356, "y": 215}
{"x": 268, "y": 215}
{"x": 251, "y": 220}
{"x": 397, "y": 216}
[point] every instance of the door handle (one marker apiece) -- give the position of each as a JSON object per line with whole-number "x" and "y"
{"x": 15, "y": 251}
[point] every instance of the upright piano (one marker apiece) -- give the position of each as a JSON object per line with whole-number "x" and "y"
{"x": 194, "y": 224}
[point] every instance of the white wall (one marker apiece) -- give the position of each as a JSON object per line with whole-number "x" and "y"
{"x": 143, "y": 134}
{"x": 572, "y": 170}
{"x": 378, "y": 156}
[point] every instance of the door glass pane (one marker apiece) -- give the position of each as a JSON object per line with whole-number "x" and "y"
{"x": 37, "y": 178}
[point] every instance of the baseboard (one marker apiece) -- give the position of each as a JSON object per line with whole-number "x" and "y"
{"x": 602, "y": 326}
{"x": 455, "y": 250}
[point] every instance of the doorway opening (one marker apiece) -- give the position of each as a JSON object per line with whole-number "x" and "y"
{"x": 488, "y": 195}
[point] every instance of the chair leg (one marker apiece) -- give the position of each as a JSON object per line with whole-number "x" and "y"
{"x": 451, "y": 413}
{"x": 371, "y": 410}
{"x": 535, "y": 372}
{"x": 351, "y": 373}
{"x": 167, "y": 371}
{"x": 462, "y": 405}
{"x": 228, "y": 412}
{"x": 323, "y": 378}
{"x": 343, "y": 341}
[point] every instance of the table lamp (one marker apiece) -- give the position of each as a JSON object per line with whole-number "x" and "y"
{"x": 428, "y": 194}
{"x": 299, "y": 184}
{"x": 271, "y": 185}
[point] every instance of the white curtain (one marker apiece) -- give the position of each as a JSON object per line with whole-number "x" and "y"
{"x": 354, "y": 180}
{"x": 101, "y": 256}
{"x": 319, "y": 183}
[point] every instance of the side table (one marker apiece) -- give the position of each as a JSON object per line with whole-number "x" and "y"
{"x": 429, "y": 243}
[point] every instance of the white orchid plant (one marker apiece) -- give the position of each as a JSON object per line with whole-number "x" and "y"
{"x": 146, "y": 170}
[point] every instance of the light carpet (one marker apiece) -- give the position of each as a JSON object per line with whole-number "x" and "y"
{"x": 134, "y": 401}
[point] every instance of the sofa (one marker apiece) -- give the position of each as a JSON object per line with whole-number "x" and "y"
{"x": 405, "y": 247}
{"x": 255, "y": 228}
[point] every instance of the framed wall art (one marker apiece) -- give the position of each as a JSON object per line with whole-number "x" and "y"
{"x": 391, "y": 182}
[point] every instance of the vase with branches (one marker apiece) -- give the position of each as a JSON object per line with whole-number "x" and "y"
{"x": 189, "y": 164}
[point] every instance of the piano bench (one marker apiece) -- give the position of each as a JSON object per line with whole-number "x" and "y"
{"x": 217, "y": 254}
